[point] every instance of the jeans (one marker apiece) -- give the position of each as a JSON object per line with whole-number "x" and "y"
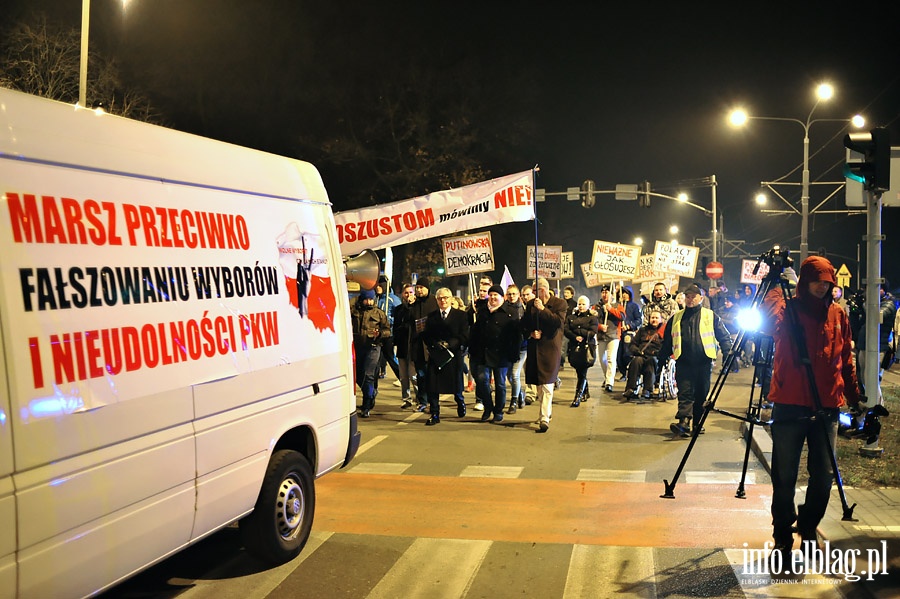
{"x": 367, "y": 373}
{"x": 407, "y": 378}
{"x": 483, "y": 387}
{"x": 514, "y": 376}
{"x": 479, "y": 373}
{"x": 791, "y": 428}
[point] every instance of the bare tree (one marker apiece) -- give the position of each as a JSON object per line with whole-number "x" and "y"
{"x": 43, "y": 59}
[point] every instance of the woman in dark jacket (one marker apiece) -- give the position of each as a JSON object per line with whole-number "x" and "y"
{"x": 581, "y": 331}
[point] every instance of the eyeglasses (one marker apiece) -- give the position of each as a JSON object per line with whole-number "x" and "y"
{"x": 442, "y": 297}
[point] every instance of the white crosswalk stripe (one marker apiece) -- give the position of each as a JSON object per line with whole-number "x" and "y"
{"x": 633, "y": 567}
{"x": 433, "y": 569}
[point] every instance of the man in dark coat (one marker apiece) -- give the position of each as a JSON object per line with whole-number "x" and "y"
{"x": 494, "y": 343}
{"x": 418, "y": 312}
{"x": 446, "y": 330}
{"x": 542, "y": 324}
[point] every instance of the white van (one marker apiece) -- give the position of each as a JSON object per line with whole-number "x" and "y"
{"x": 176, "y": 347}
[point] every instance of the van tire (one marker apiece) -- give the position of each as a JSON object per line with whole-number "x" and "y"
{"x": 279, "y": 526}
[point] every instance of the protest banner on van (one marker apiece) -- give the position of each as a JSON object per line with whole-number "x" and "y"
{"x": 615, "y": 260}
{"x": 549, "y": 258}
{"x": 501, "y": 200}
{"x": 675, "y": 258}
{"x": 468, "y": 253}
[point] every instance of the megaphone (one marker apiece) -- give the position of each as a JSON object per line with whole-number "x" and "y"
{"x": 363, "y": 269}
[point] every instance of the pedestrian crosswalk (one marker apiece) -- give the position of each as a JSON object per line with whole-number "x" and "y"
{"x": 584, "y": 474}
{"x": 446, "y": 568}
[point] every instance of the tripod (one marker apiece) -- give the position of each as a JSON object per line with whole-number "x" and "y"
{"x": 763, "y": 362}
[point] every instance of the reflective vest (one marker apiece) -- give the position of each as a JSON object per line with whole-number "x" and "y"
{"x": 707, "y": 333}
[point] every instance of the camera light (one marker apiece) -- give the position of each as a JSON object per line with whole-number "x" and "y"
{"x": 749, "y": 319}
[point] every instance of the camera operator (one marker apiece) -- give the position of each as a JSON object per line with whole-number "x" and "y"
{"x": 887, "y": 312}
{"x": 796, "y": 417}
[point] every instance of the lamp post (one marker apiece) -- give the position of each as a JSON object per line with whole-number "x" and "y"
{"x": 683, "y": 198}
{"x": 83, "y": 66}
{"x": 824, "y": 92}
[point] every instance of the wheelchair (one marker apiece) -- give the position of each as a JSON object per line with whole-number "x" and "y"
{"x": 668, "y": 388}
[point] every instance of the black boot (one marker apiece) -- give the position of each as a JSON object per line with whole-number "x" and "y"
{"x": 580, "y": 387}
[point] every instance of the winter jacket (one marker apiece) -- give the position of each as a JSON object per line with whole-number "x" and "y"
{"x": 826, "y": 334}
{"x": 495, "y": 337}
{"x": 542, "y": 363}
{"x": 646, "y": 342}
{"x": 581, "y": 324}
{"x": 370, "y": 325}
{"x": 612, "y": 316}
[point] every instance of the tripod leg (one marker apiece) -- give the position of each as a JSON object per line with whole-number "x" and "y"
{"x": 741, "y": 493}
{"x": 826, "y": 433}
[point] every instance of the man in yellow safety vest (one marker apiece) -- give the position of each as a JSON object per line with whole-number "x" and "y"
{"x": 690, "y": 338}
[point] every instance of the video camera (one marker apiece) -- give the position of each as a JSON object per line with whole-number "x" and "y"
{"x": 777, "y": 259}
{"x": 869, "y": 427}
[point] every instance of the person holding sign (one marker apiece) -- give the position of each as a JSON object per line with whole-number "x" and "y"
{"x": 609, "y": 331}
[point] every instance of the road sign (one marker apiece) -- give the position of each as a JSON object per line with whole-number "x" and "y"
{"x": 715, "y": 270}
{"x": 843, "y": 276}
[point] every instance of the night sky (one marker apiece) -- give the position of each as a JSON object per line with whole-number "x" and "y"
{"x": 586, "y": 90}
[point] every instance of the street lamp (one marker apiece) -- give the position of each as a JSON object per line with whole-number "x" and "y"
{"x": 824, "y": 92}
{"x": 85, "y": 33}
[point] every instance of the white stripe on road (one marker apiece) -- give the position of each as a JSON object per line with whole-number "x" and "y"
{"x": 710, "y": 477}
{"x": 619, "y": 476}
{"x": 599, "y": 571}
{"x": 491, "y": 472}
{"x": 379, "y": 468}
{"x": 433, "y": 569}
{"x": 370, "y": 444}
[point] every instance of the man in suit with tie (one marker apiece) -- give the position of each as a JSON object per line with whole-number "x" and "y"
{"x": 446, "y": 329}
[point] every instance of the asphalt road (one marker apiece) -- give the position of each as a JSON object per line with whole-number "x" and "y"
{"x": 471, "y": 509}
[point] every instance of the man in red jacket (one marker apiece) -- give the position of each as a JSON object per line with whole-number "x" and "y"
{"x": 796, "y": 420}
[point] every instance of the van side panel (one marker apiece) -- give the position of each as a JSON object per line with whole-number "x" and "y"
{"x": 94, "y": 556}
{"x": 171, "y": 309}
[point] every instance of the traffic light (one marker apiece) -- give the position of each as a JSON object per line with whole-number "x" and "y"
{"x": 587, "y": 193}
{"x": 874, "y": 168}
{"x": 644, "y": 194}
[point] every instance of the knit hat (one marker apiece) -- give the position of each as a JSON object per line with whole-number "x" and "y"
{"x": 367, "y": 294}
{"x": 496, "y": 289}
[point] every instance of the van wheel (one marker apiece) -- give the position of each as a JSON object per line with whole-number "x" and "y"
{"x": 279, "y": 526}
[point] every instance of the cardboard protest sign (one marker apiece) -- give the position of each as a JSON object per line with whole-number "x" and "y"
{"x": 747, "y": 275}
{"x": 675, "y": 258}
{"x": 549, "y": 258}
{"x": 615, "y": 260}
{"x": 468, "y": 253}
